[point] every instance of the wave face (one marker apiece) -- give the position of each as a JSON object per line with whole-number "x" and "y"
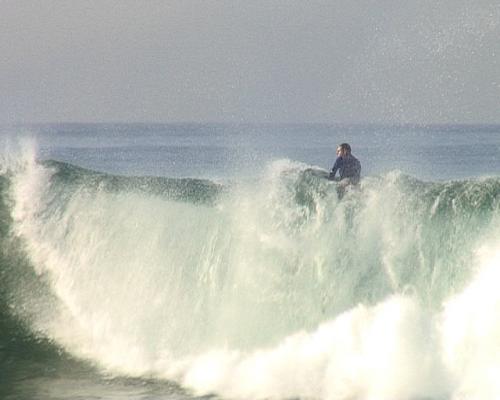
{"x": 265, "y": 289}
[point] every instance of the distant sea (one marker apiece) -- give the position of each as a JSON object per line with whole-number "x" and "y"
{"x": 178, "y": 261}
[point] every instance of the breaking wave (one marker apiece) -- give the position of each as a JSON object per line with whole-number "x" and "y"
{"x": 271, "y": 288}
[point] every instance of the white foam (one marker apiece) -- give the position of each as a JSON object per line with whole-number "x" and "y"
{"x": 388, "y": 351}
{"x": 471, "y": 330}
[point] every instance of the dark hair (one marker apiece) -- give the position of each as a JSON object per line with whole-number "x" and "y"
{"x": 346, "y": 147}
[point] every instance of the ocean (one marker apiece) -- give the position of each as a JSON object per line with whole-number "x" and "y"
{"x": 184, "y": 261}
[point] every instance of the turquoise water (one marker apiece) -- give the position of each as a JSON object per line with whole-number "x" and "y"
{"x": 183, "y": 261}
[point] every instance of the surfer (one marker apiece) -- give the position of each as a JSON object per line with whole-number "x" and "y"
{"x": 349, "y": 169}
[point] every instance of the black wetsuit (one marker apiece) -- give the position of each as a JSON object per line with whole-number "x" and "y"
{"x": 348, "y": 167}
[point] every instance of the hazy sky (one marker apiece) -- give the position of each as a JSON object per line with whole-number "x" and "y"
{"x": 250, "y": 61}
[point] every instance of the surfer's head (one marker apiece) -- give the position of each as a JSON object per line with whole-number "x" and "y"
{"x": 343, "y": 149}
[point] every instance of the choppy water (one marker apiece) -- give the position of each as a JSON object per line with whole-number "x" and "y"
{"x": 181, "y": 261}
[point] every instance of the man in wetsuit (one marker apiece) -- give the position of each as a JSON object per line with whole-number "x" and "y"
{"x": 349, "y": 169}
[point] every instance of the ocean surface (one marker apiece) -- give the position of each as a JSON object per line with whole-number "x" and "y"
{"x": 183, "y": 261}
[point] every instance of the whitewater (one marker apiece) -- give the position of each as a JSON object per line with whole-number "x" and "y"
{"x": 263, "y": 288}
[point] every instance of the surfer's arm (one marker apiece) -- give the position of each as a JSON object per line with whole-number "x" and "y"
{"x": 335, "y": 168}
